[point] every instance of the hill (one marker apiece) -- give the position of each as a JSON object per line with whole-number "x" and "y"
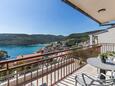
{"x": 25, "y": 39}
{"x": 77, "y": 38}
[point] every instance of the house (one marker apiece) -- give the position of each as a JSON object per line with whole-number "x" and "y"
{"x": 103, "y": 36}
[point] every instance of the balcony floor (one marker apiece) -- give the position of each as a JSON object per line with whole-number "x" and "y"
{"x": 70, "y": 80}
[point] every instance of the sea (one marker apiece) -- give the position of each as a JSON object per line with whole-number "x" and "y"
{"x": 16, "y": 50}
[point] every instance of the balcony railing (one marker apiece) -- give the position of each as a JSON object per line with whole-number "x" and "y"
{"x": 46, "y": 69}
{"x": 107, "y": 47}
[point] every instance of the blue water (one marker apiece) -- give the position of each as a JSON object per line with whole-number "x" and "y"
{"x": 14, "y": 50}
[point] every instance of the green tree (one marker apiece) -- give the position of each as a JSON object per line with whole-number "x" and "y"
{"x": 70, "y": 42}
{"x": 3, "y": 55}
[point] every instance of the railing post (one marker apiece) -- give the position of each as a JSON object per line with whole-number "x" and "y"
{"x": 7, "y": 67}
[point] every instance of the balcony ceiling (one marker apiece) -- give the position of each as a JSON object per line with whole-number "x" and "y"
{"x": 102, "y": 11}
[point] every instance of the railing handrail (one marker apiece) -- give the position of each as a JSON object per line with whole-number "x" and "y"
{"x": 32, "y": 57}
{"x": 62, "y": 59}
{"x": 33, "y": 62}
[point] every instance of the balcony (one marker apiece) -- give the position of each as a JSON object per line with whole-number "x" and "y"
{"x": 52, "y": 69}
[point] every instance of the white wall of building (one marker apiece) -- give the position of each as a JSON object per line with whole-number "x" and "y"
{"x": 107, "y": 37}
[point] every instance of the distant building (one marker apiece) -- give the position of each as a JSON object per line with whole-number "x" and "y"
{"x": 103, "y": 36}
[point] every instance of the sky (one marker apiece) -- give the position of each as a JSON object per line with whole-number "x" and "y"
{"x": 43, "y": 17}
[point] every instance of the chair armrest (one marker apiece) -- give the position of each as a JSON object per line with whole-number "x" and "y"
{"x": 85, "y": 79}
{"x": 105, "y": 75}
{"x": 90, "y": 80}
{"x": 95, "y": 81}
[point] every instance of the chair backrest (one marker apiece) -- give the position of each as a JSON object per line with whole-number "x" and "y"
{"x": 86, "y": 80}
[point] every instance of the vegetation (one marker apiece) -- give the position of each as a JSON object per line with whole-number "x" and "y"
{"x": 24, "y": 39}
{"x": 3, "y": 55}
{"x": 109, "y": 54}
{"x": 70, "y": 42}
{"x": 78, "y": 37}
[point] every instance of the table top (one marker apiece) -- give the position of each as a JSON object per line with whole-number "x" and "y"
{"x": 96, "y": 62}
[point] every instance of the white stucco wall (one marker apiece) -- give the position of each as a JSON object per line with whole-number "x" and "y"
{"x": 107, "y": 37}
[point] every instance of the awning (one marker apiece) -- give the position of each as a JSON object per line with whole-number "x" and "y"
{"x": 102, "y": 11}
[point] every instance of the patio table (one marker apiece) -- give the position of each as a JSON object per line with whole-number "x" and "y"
{"x": 96, "y": 62}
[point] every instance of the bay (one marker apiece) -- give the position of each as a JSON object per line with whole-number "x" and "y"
{"x": 14, "y": 50}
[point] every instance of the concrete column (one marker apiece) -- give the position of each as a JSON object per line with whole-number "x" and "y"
{"x": 91, "y": 39}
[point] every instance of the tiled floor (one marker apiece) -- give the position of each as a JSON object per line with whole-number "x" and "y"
{"x": 70, "y": 80}
{"x": 57, "y": 74}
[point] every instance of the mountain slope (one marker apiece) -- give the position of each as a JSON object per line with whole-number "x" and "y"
{"x": 24, "y": 39}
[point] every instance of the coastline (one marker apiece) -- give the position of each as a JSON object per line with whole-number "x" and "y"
{"x": 16, "y": 51}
